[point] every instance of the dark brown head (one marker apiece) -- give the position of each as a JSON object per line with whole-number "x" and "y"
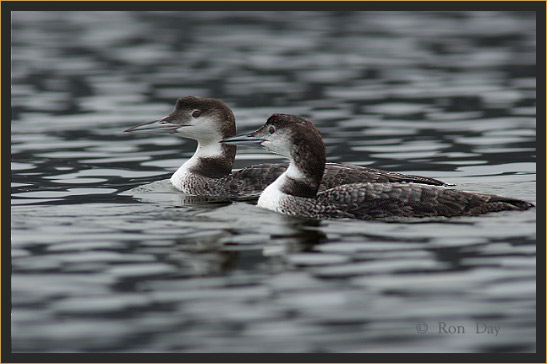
{"x": 203, "y": 119}
{"x": 199, "y": 118}
{"x": 295, "y": 138}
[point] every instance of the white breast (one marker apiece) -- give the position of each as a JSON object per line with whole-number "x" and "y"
{"x": 272, "y": 197}
{"x": 178, "y": 179}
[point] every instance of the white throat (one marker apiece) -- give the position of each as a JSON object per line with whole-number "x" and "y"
{"x": 293, "y": 172}
{"x": 273, "y": 198}
{"x": 204, "y": 150}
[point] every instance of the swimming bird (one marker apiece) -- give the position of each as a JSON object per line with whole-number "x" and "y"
{"x": 296, "y": 191}
{"x": 209, "y": 171}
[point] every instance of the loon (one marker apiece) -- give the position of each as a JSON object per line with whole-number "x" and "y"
{"x": 209, "y": 171}
{"x": 295, "y": 192}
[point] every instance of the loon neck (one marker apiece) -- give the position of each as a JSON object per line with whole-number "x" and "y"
{"x": 301, "y": 180}
{"x": 211, "y": 159}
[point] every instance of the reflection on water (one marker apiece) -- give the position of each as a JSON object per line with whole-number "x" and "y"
{"x": 101, "y": 263}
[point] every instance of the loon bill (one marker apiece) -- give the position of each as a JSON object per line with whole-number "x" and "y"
{"x": 209, "y": 171}
{"x": 296, "y": 192}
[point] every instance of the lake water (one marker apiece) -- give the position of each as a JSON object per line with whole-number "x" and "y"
{"x": 97, "y": 268}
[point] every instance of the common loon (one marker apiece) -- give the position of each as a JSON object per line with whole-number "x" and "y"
{"x": 209, "y": 171}
{"x": 295, "y": 192}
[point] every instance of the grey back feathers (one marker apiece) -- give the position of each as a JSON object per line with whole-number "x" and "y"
{"x": 381, "y": 200}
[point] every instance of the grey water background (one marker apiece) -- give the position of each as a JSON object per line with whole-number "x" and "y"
{"x": 96, "y": 267}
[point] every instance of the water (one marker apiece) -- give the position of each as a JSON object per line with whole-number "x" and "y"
{"x": 98, "y": 268}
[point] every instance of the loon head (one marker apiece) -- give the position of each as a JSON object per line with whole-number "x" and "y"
{"x": 203, "y": 119}
{"x": 287, "y": 135}
{"x": 295, "y": 138}
{"x": 199, "y": 118}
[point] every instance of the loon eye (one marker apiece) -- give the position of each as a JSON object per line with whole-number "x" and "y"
{"x": 271, "y": 130}
{"x": 196, "y": 113}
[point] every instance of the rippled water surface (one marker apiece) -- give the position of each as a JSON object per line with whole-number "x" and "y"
{"x": 98, "y": 268}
